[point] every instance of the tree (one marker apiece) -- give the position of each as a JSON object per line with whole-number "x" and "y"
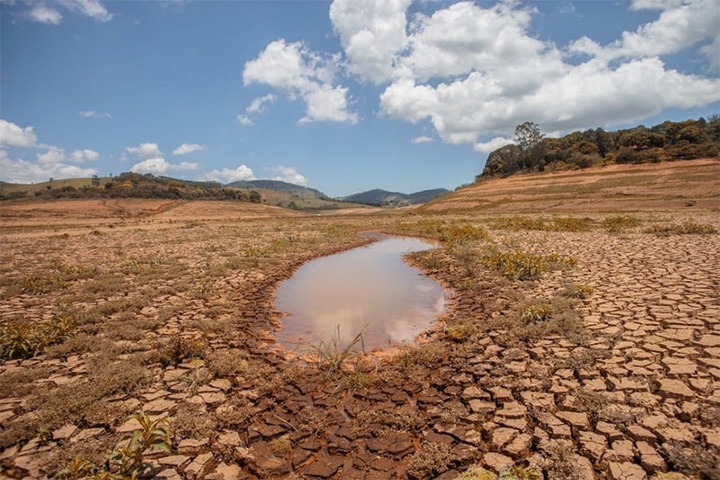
{"x": 530, "y": 141}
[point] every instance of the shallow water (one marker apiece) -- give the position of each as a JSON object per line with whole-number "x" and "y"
{"x": 368, "y": 289}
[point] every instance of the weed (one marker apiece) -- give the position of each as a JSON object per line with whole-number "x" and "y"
{"x": 560, "y": 462}
{"x": 669, "y": 476}
{"x": 536, "y": 312}
{"x": 20, "y": 339}
{"x": 462, "y": 233}
{"x": 332, "y": 356}
{"x": 477, "y": 473}
{"x": 281, "y": 446}
{"x": 77, "y": 469}
{"x": 460, "y": 332}
{"x": 577, "y": 291}
{"x": 687, "y": 228}
{"x": 521, "y": 473}
{"x": 431, "y": 460}
{"x": 698, "y": 460}
{"x": 40, "y": 285}
{"x": 227, "y": 363}
{"x": 553, "y": 224}
{"x": 193, "y": 421}
{"x": 156, "y": 435}
{"x": 518, "y": 265}
{"x": 620, "y": 223}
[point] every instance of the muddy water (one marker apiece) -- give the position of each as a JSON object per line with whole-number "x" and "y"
{"x": 368, "y": 289}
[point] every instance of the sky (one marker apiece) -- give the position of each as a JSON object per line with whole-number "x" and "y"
{"x": 342, "y": 96}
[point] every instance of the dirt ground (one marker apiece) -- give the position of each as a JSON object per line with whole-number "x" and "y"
{"x": 601, "y": 363}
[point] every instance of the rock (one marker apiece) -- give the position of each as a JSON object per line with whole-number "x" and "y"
{"x": 621, "y": 451}
{"x": 593, "y": 445}
{"x": 674, "y": 389}
{"x": 496, "y": 462}
{"x": 168, "y": 474}
{"x": 323, "y": 467}
{"x": 229, "y": 438}
{"x": 637, "y": 433}
{"x": 502, "y": 436}
{"x": 626, "y": 471}
{"x": 519, "y": 447}
{"x": 159, "y": 406}
{"x": 575, "y": 419}
{"x": 394, "y": 443}
{"x": 64, "y": 432}
{"x": 174, "y": 460}
{"x": 650, "y": 459}
{"x": 199, "y": 466}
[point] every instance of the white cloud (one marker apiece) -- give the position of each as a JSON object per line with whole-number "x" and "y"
{"x": 491, "y": 75}
{"x": 490, "y": 145}
{"x": 12, "y": 135}
{"x": 160, "y": 166}
{"x": 258, "y": 104}
{"x": 371, "y": 32}
{"x": 43, "y": 14}
{"x": 21, "y": 171}
{"x": 146, "y": 151}
{"x": 94, "y": 114}
{"x": 90, "y": 8}
{"x": 327, "y": 103}
{"x": 84, "y": 155}
{"x": 186, "y": 148}
{"x": 679, "y": 26}
{"x": 245, "y": 121}
{"x": 300, "y": 72}
{"x": 422, "y": 139}
{"x": 289, "y": 175}
{"x": 228, "y": 175}
{"x": 53, "y": 155}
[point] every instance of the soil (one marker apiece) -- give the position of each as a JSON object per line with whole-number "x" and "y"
{"x": 174, "y": 317}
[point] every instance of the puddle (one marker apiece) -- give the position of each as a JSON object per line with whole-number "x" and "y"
{"x": 367, "y": 289}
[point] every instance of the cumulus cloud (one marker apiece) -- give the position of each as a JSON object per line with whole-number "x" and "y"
{"x": 474, "y": 71}
{"x": 84, "y": 155}
{"x": 43, "y": 14}
{"x": 152, "y": 160}
{"x": 422, "y": 139}
{"x": 186, "y": 148}
{"x": 289, "y": 175}
{"x": 371, "y": 32}
{"x": 12, "y": 135}
{"x": 493, "y": 144}
{"x": 145, "y": 150}
{"x": 300, "y": 72}
{"x": 258, "y": 104}
{"x": 160, "y": 166}
{"x": 228, "y": 175}
{"x": 21, "y": 171}
{"x": 679, "y": 26}
{"x": 94, "y": 114}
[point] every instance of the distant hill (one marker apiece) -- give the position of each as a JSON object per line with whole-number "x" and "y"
{"x": 386, "y": 198}
{"x": 279, "y": 186}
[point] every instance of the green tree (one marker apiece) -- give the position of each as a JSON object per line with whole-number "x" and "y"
{"x": 530, "y": 141}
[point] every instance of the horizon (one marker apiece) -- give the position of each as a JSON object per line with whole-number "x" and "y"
{"x": 344, "y": 96}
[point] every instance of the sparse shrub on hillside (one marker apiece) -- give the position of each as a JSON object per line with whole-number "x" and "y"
{"x": 546, "y": 224}
{"x": 620, "y": 223}
{"x": 687, "y": 228}
{"x": 463, "y": 232}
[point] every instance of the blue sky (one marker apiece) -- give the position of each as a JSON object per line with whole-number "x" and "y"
{"x": 342, "y": 96}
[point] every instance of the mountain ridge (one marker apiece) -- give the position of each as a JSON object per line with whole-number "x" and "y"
{"x": 378, "y": 196}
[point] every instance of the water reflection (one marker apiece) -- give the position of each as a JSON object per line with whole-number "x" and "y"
{"x": 368, "y": 288}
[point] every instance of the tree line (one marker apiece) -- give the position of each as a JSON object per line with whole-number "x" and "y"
{"x": 533, "y": 152}
{"x": 135, "y": 185}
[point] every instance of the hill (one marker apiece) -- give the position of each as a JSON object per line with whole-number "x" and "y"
{"x": 148, "y": 186}
{"x": 651, "y": 186}
{"x": 279, "y": 186}
{"x": 386, "y": 198}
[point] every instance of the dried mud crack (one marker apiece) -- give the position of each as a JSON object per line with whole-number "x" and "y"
{"x": 606, "y": 367}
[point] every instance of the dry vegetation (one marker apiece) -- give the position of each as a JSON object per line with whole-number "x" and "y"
{"x": 136, "y": 342}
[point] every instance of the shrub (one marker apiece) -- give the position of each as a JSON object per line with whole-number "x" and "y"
{"x": 536, "y": 312}
{"x": 431, "y": 460}
{"x": 519, "y": 265}
{"x": 20, "y": 339}
{"x": 687, "y": 228}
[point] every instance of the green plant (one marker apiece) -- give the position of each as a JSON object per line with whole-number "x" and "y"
{"x": 126, "y": 460}
{"x": 460, "y": 332}
{"x": 686, "y": 228}
{"x": 620, "y": 223}
{"x": 536, "y": 312}
{"x": 463, "y": 232}
{"x": 79, "y": 468}
{"x": 332, "y": 355}
{"x": 577, "y": 291}
{"x": 20, "y": 339}
{"x": 518, "y": 265}
{"x": 477, "y": 473}
{"x": 521, "y": 473}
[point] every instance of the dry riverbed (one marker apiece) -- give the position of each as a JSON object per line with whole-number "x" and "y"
{"x": 582, "y": 346}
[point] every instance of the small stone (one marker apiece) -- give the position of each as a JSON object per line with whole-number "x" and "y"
{"x": 198, "y": 467}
